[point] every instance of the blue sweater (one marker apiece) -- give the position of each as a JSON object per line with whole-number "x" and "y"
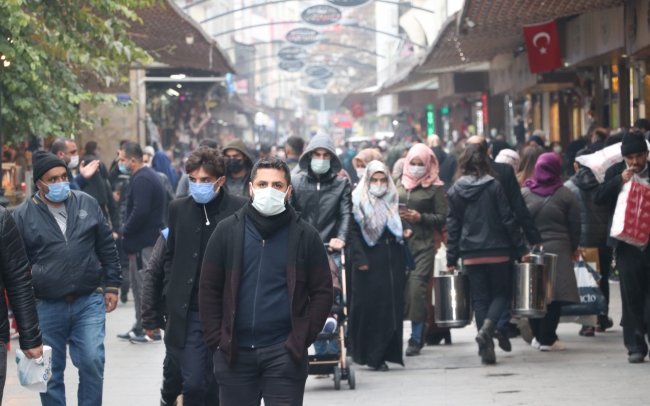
{"x": 145, "y": 207}
{"x": 263, "y": 311}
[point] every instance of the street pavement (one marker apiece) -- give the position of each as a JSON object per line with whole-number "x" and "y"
{"x": 592, "y": 371}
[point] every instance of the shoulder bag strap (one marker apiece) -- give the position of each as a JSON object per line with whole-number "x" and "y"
{"x": 539, "y": 209}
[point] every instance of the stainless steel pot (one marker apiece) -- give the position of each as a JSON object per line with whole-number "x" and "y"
{"x": 452, "y": 300}
{"x": 550, "y": 260}
{"x": 529, "y": 296}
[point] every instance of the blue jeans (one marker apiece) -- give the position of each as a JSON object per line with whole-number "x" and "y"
{"x": 416, "y": 331}
{"x": 81, "y": 323}
{"x": 330, "y": 346}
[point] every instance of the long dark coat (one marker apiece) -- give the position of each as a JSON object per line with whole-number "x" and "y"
{"x": 377, "y": 307}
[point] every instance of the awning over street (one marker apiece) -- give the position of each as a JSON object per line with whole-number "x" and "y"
{"x": 172, "y": 38}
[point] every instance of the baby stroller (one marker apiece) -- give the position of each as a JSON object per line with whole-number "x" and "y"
{"x": 337, "y": 364}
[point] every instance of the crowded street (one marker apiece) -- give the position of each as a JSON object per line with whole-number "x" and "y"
{"x": 320, "y": 202}
{"x": 590, "y": 369}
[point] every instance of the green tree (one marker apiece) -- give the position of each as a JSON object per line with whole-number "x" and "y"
{"x": 58, "y": 54}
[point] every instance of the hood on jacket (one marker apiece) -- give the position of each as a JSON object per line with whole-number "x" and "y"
{"x": 238, "y": 145}
{"x": 585, "y": 179}
{"x": 440, "y": 154}
{"x": 470, "y": 187}
{"x": 321, "y": 141}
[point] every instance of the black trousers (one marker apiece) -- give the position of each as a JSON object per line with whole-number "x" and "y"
{"x": 634, "y": 270}
{"x": 195, "y": 361}
{"x": 605, "y": 258}
{"x": 172, "y": 384}
{"x": 270, "y": 370}
{"x": 491, "y": 288}
{"x": 544, "y": 329}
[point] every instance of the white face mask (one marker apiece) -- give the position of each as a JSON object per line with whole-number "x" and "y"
{"x": 417, "y": 171}
{"x": 269, "y": 201}
{"x": 320, "y": 166}
{"x": 74, "y": 162}
{"x": 378, "y": 190}
{"x": 360, "y": 172}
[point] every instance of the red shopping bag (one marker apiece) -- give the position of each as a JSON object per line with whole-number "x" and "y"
{"x": 631, "y": 222}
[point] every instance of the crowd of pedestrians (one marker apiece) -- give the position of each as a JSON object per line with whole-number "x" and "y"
{"x": 231, "y": 260}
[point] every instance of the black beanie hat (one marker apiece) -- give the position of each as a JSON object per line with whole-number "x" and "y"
{"x": 43, "y": 161}
{"x": 633, "y": 142}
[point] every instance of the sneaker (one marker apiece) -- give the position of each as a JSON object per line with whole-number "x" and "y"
{"x": 128, "y": 335}
{"x": 524, "y": 327}
{"x": 144, "y": 339}
{"x": 413, "y": 348}
{"x": 636, "y": 358}
{"x": 587, "y": 331}
{"x": 557, "y": 346}
{"x": 535, "y": 344}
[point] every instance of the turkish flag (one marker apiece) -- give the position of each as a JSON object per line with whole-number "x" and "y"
{"x": 543, "y": 47}
{"x": 357, "y": 110}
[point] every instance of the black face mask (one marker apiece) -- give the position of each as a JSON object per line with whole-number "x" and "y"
{"x": 234, "y": 165}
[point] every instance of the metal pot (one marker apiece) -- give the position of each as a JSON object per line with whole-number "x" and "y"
{"x": 529, "y": 298}
{"x": 550, "y": 260}
{"x": 452, "y": 300}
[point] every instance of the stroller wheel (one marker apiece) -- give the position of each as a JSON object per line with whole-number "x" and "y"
{"x": 337, "y": 378}
{"x": 351, "y": 380}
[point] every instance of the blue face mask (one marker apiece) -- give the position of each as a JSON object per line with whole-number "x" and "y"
{"x": 320, "y": 166}
{"x": 203, "y": 192}
{"x": 58, "y": 192}
{"x": 123, "y": 169}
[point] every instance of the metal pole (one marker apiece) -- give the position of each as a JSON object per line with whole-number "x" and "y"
{"x": 3, "y": 200}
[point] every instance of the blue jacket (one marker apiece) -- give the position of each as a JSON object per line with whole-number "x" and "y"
{"x": 145, "y": 208}
{"x": 78, "y": 262}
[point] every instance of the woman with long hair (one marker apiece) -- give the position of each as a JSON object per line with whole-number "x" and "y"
{"x": 483, "y": 233}
{"x": 528, "y": 160}
{"x": 556, "y": 213}
{"x": 378, "y": 264}
{"x": 424, "y": 207}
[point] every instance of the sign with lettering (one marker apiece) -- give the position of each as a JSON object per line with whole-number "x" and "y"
{"x": 302, "y": 36}
{"x": 291, "y": 66}
{"x": 349, "y": 3}
{"x": 319, "y": 71}
{"x": 322, "y": 14}
{"x": 291, "y": 53}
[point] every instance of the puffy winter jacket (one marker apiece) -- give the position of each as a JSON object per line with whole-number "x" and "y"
{"x": 16, "y": 278}
{"x": 595, "y": 219}
{"x": 480, "y": 222}
{"x": 78, "y": 262}
{"x": 324, "y": 203}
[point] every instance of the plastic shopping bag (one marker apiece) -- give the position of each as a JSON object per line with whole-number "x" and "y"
{"x": 34, "y": 374}
{"x": 592, "y": 300}
{"x": 631, "y": 221}
{"x": 601, "y": 160}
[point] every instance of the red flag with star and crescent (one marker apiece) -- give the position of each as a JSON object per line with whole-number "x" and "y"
{"x": 543, "y": 47}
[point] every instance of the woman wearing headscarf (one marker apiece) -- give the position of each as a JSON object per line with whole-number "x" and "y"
{"x": 160, "y": 163}
{"x": 378, "y": 264}
{"x": 556, "y": 213}
{"x": 510, "y": 157}
{"x": 361, "y": 160}
{"x": 424, "y": 207}
{"x": 484, "y": 233}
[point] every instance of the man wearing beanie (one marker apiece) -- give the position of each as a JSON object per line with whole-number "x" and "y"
{"x": 633, "y": 263}
{"x": 76, "y": 275}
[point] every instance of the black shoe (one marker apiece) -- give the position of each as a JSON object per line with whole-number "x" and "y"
{"x": 587, "y": 331}
{"x": 168, "y": 403}
{"x": 436, "y": 339}
{"x": 636, "y": 358}
{"x": 413, "y": 348}
{"x": 604, "y": 323}
{"x": 484, "y": 337}
{"x": 504, "y": 341}
{"x": 382, "y": 367}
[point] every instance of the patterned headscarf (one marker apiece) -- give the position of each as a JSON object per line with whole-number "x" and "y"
{"x": 430, "y": 162}
{"x": 367, "y": 155}
{"x": 374, "y": 213}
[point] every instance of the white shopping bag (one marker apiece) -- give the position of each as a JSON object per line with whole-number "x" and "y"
{"x": 34, "y": 374}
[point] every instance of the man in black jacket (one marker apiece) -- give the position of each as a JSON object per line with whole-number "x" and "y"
{"x": 145, "y": 207}
{"x": 506, "y": 176}
{"x": 16, "y": 279}
{"x": 633, "y": 263}
{"x": 238, "y": 168}
{"x": 265, "y": 293}
{"x": 66, "y": 150}
{"x": 192, "y": 220}
{"x": 595, "y": 220}
{"x": 76, "y": 271}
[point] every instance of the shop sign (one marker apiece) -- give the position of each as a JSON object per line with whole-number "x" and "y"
{"x": 319, "y": 71}
{"x": 319, "y": 84}
{"x": 349, "y": 3}
{"x": 302, "y": 36}
{"x": 290, "y": 53}
{"x": 291, "y": 66}
{"x": 322, "y": 14}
